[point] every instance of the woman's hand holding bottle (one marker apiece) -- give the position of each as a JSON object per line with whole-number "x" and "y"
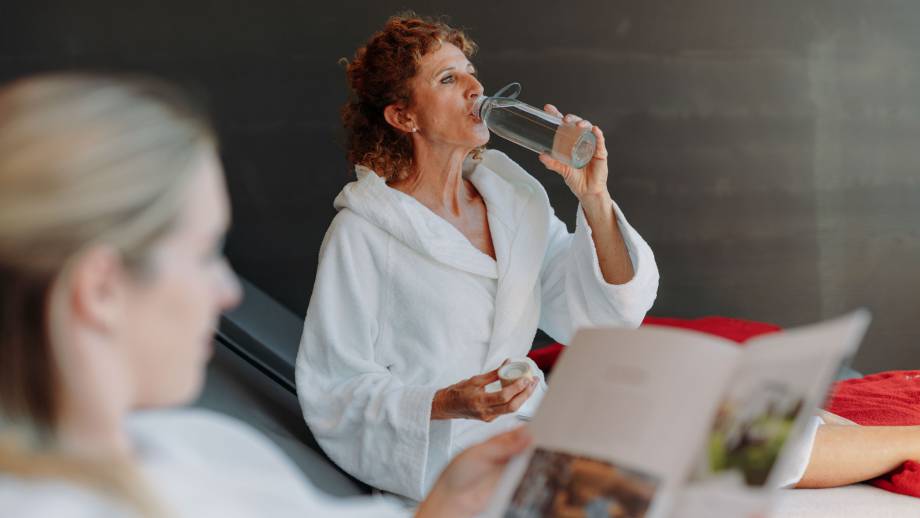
{"x": 589, "y": 182}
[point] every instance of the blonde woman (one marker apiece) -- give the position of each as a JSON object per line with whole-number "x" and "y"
{"x": 112, "y": 212}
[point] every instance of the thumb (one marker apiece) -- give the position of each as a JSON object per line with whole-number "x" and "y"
{"x": 502, "y": 447}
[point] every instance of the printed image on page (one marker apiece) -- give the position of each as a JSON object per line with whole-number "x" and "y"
{"x": 752, "y": 424}
{"x": 562, "y": 485}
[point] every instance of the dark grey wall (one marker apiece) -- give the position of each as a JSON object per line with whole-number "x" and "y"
{"x": 768, "y": 151}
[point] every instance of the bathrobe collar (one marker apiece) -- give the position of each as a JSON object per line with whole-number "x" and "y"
{"x": 416, "y": 226}
{"x": 519, "y": 216}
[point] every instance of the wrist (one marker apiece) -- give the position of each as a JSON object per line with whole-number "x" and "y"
{"x": 436, "y": 505}
{"x": 597, "y": 204}
{"x": 440, "y": 407}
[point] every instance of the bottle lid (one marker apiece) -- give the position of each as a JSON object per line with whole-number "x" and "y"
{"x": 509, "y": 91}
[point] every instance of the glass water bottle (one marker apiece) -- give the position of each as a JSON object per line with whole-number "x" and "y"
{"x": 535, "y": 129}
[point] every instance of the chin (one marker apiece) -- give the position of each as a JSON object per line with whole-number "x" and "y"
{"x": 481, "y": 140}
{"x": 182, "y": 392}
{"x": 189, "y": 392}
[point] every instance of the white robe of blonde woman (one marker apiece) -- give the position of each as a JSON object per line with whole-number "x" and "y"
{"x": 195, "y": 464}
{"x": 404, "y": 305}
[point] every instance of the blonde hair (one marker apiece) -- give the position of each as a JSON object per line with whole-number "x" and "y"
{"x": 84, "y": 160}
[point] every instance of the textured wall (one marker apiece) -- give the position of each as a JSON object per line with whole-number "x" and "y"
{"x": 768, "y": 151}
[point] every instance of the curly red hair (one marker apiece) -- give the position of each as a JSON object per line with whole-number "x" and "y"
{"x": 379, "y": 76}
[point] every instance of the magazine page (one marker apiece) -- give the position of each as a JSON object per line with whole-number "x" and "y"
{"x": 780, "y": 381}
{"x": 615, "y": 432}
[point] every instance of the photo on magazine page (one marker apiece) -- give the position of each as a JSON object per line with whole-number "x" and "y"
{"x": 562, "y": 485}
{"x": 753, "y": 422}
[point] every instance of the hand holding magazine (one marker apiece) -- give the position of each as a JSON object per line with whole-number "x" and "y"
{"x": 661, "y": 422}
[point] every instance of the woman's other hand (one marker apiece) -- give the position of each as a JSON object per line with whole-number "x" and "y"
{"x": 468, "y": 399}
{"x": 467, "y": 483}
{"x": 591, "y": 180}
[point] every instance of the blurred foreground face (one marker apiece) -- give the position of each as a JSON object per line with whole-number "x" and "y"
{"x": 171, "y": 312}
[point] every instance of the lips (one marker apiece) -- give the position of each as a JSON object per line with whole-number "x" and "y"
{"x": 474, "y": 108}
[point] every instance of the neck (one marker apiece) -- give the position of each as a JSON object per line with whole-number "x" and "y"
{"x": 437, "y": 181}
{"x": 95, "y": 388}
{"x": 93, "y": 431}
{"x": 96, "y": 397}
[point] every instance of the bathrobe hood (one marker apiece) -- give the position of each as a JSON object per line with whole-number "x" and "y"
{"x": 496, "y": 177}
{"x": 512, "y": 197}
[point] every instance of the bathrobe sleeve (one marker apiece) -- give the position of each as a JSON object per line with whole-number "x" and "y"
{"x": 574, "y": 292}
{"x": 796, "y": 456}
{"x": 369, "y": 422}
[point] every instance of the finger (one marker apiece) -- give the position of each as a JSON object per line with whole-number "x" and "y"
{"x": 601, "y": 150}
{"x": 506, "y": 394}
{"x": 555, "y": 165}
{"x": 513, "y": 390}
{"x": 549, "y": 108}
{"x": 584, "y": 123}
{"x": 505, "y": 445}
{"x": 485, "y": 378}
{"x": 519, "y": 399}
{"x": 571, "y": 118}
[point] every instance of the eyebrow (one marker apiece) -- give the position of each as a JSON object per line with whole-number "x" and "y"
{"x": 445, "y": 69}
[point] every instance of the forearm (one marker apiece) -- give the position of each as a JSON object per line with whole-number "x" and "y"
{"x": 612, "y": 254}
{"x": 845, "y": 454}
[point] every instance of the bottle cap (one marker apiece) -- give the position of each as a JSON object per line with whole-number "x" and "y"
{"x": 509, "y": 91}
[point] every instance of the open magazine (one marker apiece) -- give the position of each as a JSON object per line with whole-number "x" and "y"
{"x": 662, "y": 422}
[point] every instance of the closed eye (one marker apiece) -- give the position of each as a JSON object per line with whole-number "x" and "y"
{"x": 449, "y": 78}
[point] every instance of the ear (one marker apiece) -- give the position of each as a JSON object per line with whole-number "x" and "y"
{"x": 98, "y": 285}
{"x": 398, "y": 117}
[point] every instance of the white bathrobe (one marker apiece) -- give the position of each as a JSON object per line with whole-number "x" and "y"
{"x": 197, "y": 464}
{"x": 404, "y": 305}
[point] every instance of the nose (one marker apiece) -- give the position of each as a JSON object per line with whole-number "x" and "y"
{"x": 230, "y": 290}
{"x": 475, "y": 88}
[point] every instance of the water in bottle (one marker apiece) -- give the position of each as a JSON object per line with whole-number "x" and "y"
{"x": 535, "y": 129}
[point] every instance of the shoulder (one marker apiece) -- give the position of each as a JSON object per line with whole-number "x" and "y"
{"x": 350, "y": 227}
{"x": 347, "y": 220}
{"x": 203, "y": 435}
{"x": 46, "y": 497}
{"x": 352, "y": 240}
{"x": 187, "y": 419}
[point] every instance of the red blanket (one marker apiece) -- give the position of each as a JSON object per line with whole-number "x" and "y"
{"x": 730, "y": 328}
{"x": 886, "y": 398}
